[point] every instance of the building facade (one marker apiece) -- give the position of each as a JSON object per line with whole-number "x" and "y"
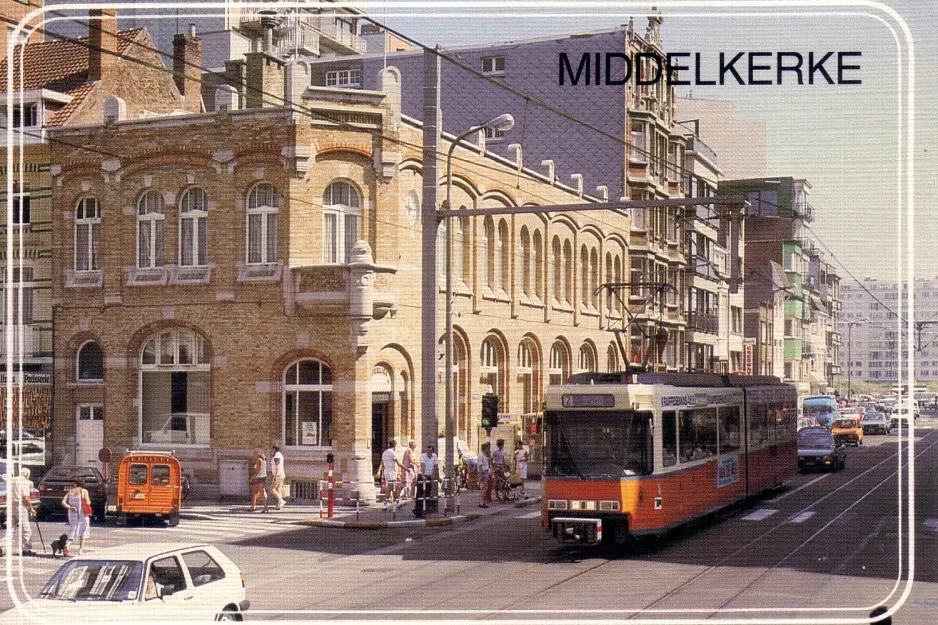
{"x": 267, "y": 291}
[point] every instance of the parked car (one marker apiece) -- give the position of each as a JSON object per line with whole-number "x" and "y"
{"x": 901, "y": 416}
{"x": 806, "y": 422}
{"x": 876, "y": 423}
{"x": 848, "y": 430}
{"x": 158, "y": 582}
{"x": 58, "y": 480}
{"x": 819, "y": 449}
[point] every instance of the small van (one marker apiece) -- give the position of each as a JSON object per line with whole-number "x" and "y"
{"x": 149, "y": 484}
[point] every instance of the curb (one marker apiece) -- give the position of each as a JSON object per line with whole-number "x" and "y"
{"x": 437, "y": 522}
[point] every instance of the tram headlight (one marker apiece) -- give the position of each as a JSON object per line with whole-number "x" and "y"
{"x": 556, "y": 504}
{"x": 608, "y": 505}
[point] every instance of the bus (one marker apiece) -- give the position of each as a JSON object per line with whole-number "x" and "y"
{"x": 633, "y": 454}
{"x": 823, "y": 408}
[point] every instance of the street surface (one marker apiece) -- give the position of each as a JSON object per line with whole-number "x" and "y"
{"x": 828, "y": 545}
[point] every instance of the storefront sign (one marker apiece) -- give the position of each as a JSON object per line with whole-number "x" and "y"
{"x": 748, "y": 359}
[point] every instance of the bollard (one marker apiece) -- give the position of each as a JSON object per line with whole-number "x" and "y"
{"x": 330, "y": 458}
{"x": 425, "y": 489}
{"x": 320, "y": 504}
{"x": 394, "y": 510}
{"x": 457, "y": 502}
{"x": 357, "y": 501}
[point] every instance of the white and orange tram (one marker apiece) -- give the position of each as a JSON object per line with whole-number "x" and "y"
{"x": 632, "y": 454}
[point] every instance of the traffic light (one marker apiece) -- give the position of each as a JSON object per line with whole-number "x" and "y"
{"x": 489, "y": 411}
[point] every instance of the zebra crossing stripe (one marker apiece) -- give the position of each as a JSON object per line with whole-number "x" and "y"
{"x": 529, "y": 515}
{"x": 760, "y": 514}
{"x": 801, "y": 518}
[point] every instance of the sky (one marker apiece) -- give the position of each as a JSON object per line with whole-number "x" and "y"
{"x": 843, "y": 139}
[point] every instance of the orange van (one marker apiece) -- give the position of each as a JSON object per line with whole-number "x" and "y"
{"x": 848, "y": 430}
{"x": 149, "y": 484}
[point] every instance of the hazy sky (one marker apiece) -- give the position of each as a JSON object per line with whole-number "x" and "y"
{"x": 843, "y": 139}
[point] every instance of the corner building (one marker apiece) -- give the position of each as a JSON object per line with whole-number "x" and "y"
{"x": 260, "y": 278}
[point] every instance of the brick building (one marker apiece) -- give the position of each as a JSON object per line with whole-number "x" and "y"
{"x": 56, "y": 84}
{"x": 268, "y": 290}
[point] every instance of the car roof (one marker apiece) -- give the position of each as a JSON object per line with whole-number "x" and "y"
{"x": 139, "y": 551}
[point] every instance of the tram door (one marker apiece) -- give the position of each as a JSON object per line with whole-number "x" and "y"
{"x": 380, "y": 410}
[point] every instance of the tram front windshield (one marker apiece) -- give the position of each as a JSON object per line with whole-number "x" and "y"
{"x": 598, "y": 444}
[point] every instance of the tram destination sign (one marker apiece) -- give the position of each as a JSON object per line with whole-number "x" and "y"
{"x": 591, "y": 400}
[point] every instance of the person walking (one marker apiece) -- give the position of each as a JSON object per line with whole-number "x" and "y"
{"x": 21, "y": 511}
{"x": 410, "y": 469}
{"x": 258, "y": 479}
{"x": 521, "y": 466}
{"x": 428, "y": 468}
{"x": 388, "y": 470}
{"x": 78, "y": 503}
{"x": 484, "y": 467}
{"x": 277, "y": 475}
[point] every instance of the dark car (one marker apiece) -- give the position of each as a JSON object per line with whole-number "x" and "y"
{"x": 58, "y": 481}
{"x": 876, "y": 423}
{"x": 817, "y": 449}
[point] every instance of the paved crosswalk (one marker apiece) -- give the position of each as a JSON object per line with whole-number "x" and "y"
{"x": 209, "y": 529}
{"x": 763, "y": 513}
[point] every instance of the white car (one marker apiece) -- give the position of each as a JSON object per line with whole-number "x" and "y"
{"x": 158, "y": 582}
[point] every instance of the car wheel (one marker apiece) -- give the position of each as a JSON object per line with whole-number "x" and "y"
{"x": 173, "y": 520}
{"x": 229, "y": 615}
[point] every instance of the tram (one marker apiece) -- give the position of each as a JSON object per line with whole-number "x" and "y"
{"x": 632, "y": 454}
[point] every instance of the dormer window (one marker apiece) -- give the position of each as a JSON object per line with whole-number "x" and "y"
{"x": 493, "y": 64}
{"x": 25, "y": 116}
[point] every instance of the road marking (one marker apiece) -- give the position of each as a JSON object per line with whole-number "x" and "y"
{"x": 801, "y": 518}
{"x": 760, "y": 514}
{"x": 792, "y": 492}
{"x": 529, "y": 515}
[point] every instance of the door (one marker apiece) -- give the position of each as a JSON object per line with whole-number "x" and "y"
{"x": 379, "y": 430}
{"x": 89, "y": 434}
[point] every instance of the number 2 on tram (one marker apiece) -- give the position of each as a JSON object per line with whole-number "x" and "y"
{"x": 632, "y": 454}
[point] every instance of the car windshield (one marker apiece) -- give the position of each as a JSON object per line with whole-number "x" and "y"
{"x": 95, "y": 580}
{"x": 845, "y": 423}
{"x": 873, "y": 416}
{"x": 815, "y": 440}
{"x": 67, "y": 473}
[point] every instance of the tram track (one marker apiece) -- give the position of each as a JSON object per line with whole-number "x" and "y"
{"x": 930, "y": 438}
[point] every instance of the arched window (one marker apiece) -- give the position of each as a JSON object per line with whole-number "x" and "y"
{"x": 587, "y": 360}
{"x": 461, "y": 387}
{"x": 503, "y": 275}
{"x": 524, "y": 250}
{"x": 610, "y": 297}
{"x": 90, "y": 363}
{"x": 441, "y": 252}
{"x": 617, "y": 269}
{"x": 150, "y": 221}
{"x": 558, "y": 368}
{"x": 87, "y": 234}
{"x": 492, "y": 256}
{"x": 594, "y": 279}
{"x": 493, "y": 368}
{"x": 483, "y": 254}
{"x": 175, "y": 389}
{"x": 529, "y": 375}
{"x": 263, "y": 205}
{"x": 465, "y": 234}
{"x": 538, "y": 265}
{"x": 193, "y": 229}
{"x": 612, "y": 358}
{"x": 567, "y": 272}
{"x": 307, "y": 404}
{"x": 557, "y": 268}
{"x": 584, "y": 277}
{"x": 458, "y": 260}
{"x": 341, "y": 211}
{"x": 412, "y": 208}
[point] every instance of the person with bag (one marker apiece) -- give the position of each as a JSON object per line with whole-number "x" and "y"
{"x": 258, "y": 479}
{"x": 78, "y": 503}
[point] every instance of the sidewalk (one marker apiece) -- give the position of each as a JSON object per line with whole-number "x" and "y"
{"x": 374, "y": 516}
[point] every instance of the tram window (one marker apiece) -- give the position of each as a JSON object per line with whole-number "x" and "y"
{"x": 729, "y": 429}
{"x": 599, "y": 443}
{"x": 698, "y": 435}
{"x": 668, "y": 438}
{"x": 758, "y": 425}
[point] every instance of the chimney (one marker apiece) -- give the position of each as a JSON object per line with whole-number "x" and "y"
{"x": 264, "y": 73}
{"x": 187, "y": 68}
{"x": 102, "y": 44}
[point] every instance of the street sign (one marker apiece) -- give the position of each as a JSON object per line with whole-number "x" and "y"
{"x": 104, "y": 454}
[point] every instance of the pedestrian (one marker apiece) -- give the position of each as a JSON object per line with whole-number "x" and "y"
{"x": 498, "y": 456}
{"x": 258, "y": 479}
{"x": 388, "y": 470}
{"x": 410, "y": 469}
{"x": 78, "y": 503}
{"x": 21, "y": 512}
{"x": 521, "y": 460}
{"x": 429, "y": 462}
{"x": 277, "y": 475}
{"x": 485, "y": 484}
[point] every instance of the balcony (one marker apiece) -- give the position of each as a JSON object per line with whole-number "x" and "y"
{"x": 809, "y": 349}
{"x": 326, "y": 25}
{"x": 703, "y": 267}
{"x": 28, "y": 337}
{"x": 702, "y": 322}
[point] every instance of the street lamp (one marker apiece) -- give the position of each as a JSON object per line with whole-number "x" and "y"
{"x": 502, "y": 122}
{"x": 850, "y": 325}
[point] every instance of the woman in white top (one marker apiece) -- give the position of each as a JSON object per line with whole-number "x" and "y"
{"x": 79, "y": 523}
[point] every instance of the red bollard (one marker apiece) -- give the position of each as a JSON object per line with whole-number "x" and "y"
{"x": 331, "y": 492}
{"x": 320, "y": 504}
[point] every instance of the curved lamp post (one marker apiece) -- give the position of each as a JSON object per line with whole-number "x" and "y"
{"x": 502, "y": 122}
